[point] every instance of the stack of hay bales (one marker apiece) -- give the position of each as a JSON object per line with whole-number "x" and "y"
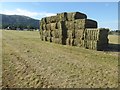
{"x": 96, "y": 38}
{"x": 51, "y": 29}
{"x": 73, "y": 29}
{"x": 80, "y": 29}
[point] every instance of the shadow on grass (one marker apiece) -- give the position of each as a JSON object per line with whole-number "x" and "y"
{"x": 113, "y": 47}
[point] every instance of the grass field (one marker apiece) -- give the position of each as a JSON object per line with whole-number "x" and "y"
{"x": 29, "y": 62}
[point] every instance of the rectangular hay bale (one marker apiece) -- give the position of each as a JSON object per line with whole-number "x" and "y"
{"x": 75, "y": 15}
{"x": 70, "y": 25}
{"x": 53, "y": 26}
{"x": 62, "y": 16}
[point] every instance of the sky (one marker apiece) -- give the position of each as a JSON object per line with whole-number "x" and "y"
{"x": 105, "y": 13}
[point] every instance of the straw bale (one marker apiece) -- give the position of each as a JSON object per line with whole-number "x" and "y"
{"x": 69, "y": 25}
{"x": 48, "y": 38}
{"x": 67, "y": 41}
{"x": 62, "y": 16}
{"x": 57, "y": 40}
{"x": 44, "y": 27}
{"x": 44, "y": 38}
{"x": 72, "y": 42}
{"x": 48, "y": 26}
{"x": 48, "y": 19}
{"x": 52, "y": 39}
{"x": 48, "y": 33}
{"x": 69, "y": 34}
{"x": 59, "y": 25}
{"x": 79, "y": 33}
{"x": 56, "y": 33}
{"x": 41, "y": 35}
{"x": 75, "y": 42}
{"x": 53, "y": 19}
{"x": 75, "y": 15}
{"x": 63, "y": 40}
{"x": 44, "y": 33}
{"x": 85, "y": 23}
{"x": 79, "y": 24}
{"x": 53, "y": 26}
{"x": 43, "y": 20}
{"x": 90, "y": 23}
{"x": 52, "y": 34}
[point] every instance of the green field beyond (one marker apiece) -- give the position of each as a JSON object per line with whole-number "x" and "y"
{"x": 29, "y": 62}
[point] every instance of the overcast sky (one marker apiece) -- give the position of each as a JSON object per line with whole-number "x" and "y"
{"x": 105, "y": 13}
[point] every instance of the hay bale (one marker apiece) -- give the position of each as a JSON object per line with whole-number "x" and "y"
{"x": 69, "y": 25}
{"x": 92, "y": 34}
{"x": 79, "y": 33}
{"x": 67, "y": 41}
{"x": 48, "y": 39}
{"x": 52, "y": 34}
{"x": 48, "y": 26}
{"x": 41, "y": 34}
{"x": 85, "y": 23}
{"x": 69, "y": 34}
{"x": 75, "y": 15}
{"x": 41, "y": 28}
{"x": 79, "y": 24}
{"x": 90, "y": 23}
{"x": 44, "y": 33}
{"x": 58, "y": 25}
{"x": 56, "y": 33}
{"x": 53, "y": 26}
{"x": 53, "y": 19}
{"x": 57, "y": 40}
{"x": 62, "y": 16}
{"x": 96, "y": 39}
{"x": 75, "y": 42}
{"x": 52, "y": 39}
{"x": 72, "y": 42}
{"x": 64, "y": 40}
{"x": 48, "y": 19}
{"x": 48, "y": 33}
{"x": 44, "y": 27}
{"x": 103, "y": 34}
{"x": 43, "y": 20}
{"x": 44, "y": 38}
{"x": 61, "y": 25}
{"x": 60, "y": 41}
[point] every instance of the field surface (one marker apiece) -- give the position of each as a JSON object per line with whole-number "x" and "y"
{"x": 29, "y": 62}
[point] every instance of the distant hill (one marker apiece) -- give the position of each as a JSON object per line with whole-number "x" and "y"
{"x": 18, "y": 21}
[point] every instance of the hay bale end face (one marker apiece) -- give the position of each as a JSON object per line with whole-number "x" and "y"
{"x": 73, "y": 29}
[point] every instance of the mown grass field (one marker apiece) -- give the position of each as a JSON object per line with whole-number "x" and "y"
{"x": 29, "y": 62}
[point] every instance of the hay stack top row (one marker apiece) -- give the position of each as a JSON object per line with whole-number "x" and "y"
{"x": 64, "y": 17}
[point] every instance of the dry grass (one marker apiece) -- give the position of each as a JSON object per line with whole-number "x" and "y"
{"x": 114, "y": 39}
{"x": 30, "y": 62}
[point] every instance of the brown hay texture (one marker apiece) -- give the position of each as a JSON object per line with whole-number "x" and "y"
{"x": 73, "y": 29}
